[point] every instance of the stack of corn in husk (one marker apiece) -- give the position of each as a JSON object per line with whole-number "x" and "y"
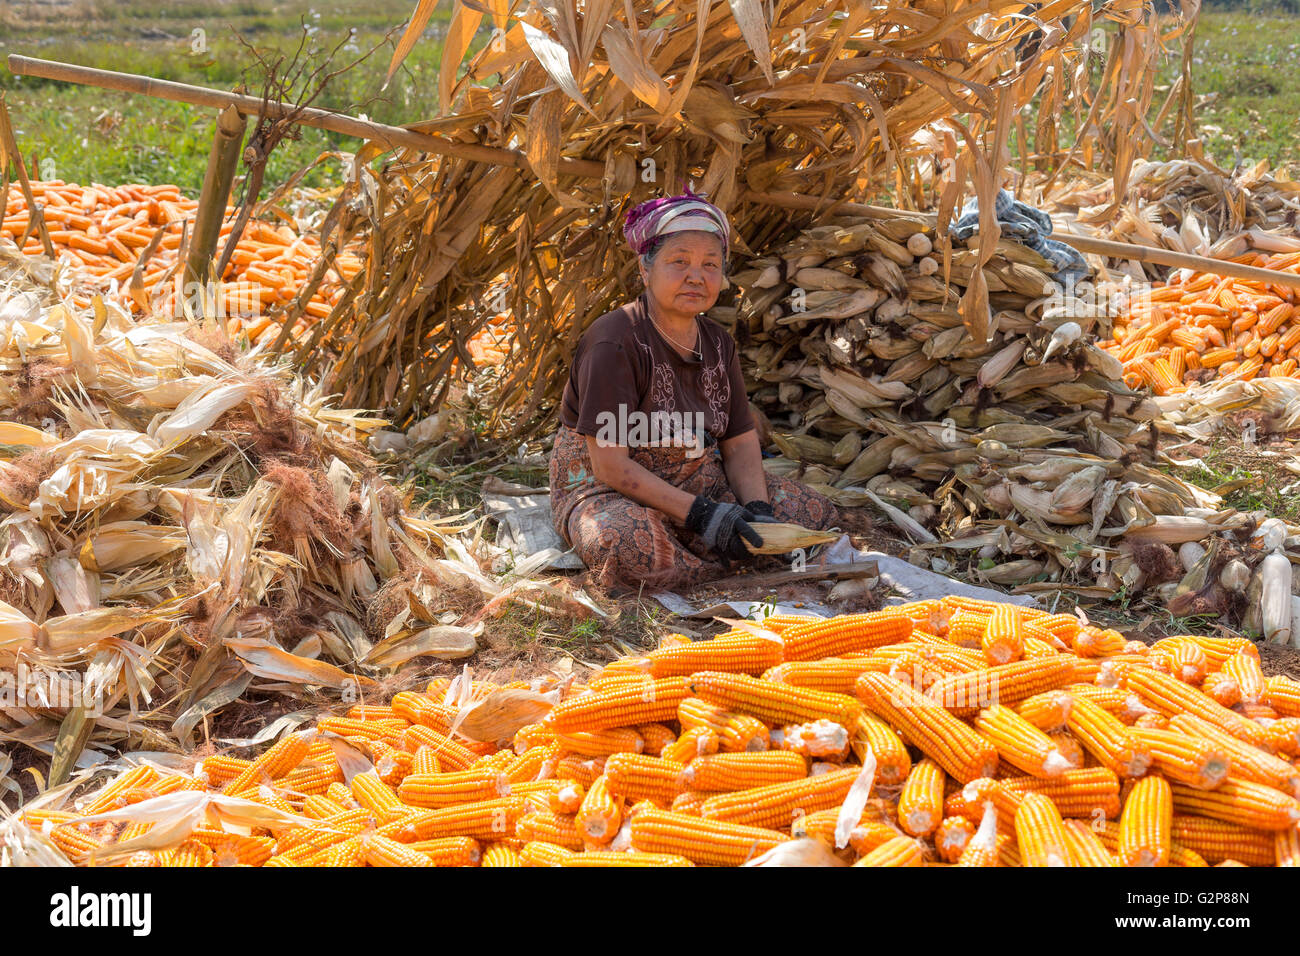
{"x": 1023, "y": 461}
{"x": 180, "y": 521}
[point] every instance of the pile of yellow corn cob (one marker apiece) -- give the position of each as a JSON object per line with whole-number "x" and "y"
{"x": 951, "y": 732}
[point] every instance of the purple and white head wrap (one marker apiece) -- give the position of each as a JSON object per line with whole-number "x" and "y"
{"x": 648, "y": 223}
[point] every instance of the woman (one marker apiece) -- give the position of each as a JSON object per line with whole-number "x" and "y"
{"x": 657, "y": 448}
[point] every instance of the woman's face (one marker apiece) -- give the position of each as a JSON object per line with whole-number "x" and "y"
{"x": 685, "y": 277}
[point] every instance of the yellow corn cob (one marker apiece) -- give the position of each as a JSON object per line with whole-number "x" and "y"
{"x": 135, "y": 778}
{"x": 819, "y": 739}
{"x": 425, "y": 760}
{"x": 845, "y": 633}
{"x": 1193, "y": 761}
{"x": 220, "y": 769}
{"x": 690, "y": 801}
{"x": 982, "y": 848}
{"x": 743, "y": 771}
{"x": 696, "y": 742}
{"x": 525, "y": 767}
{"x": 484, "y": 820}
{"x": 1076, "y": 793}
{"x": 451, "y": 755}
{"x": 656, "y": 737}
{"x": 437, "y": 790}
{"x": 736, "y": 732}
{"x": 775, "y": 806}
{"x": 1282, "y": 736}
{"x": 638, "y": 777}
{"x": 189, "y": 853}
{"x": 1040, "y": 832}
{"x": 376, "y": 796}
{"x": 924, "y": 724}
{"x": 500, "y": 855}
{"x": 601, "y": 743}
{"x": 389, "y": 733}
{"x": 1091, "y": 641}
{"x": 1239, "y": 801}
{"x": 582, "y": 770}
{"x": 1084, "y": 846}
{"x": 1218, "y": 840}
{"x": 1245, "y": 670}
{"x": 1222, "y": 687}
{"x": 834, "y": 674}
{"x": 601, "y": 813}
{"x": 1180, "y": 658}
{"x": 1171, "y": 697}
{"x": 780, "y": 623}
{"x": 276, "y": 762}
{"x": 448, "y": 851}
{"x": 636, "y": 702}
{"x": 1146, "y": 822}
{"x": 893, "y": 763}
{"x": 381, "y": 851}
{"x": 1048, "y": 711}
{"x": 541, "y": 853}
{"x": 1019, "y": 743}
{"x": 703, "y": 842}
{"x": 1006, "y": 684}
{"x": 1112, "y": 744}
{"x": 1248, "y": 763}
{"x": 1283, "y": 695}
{"x": 732, "y": 653}
{"x": 1181, "y": 856}
{"x": 966, "y": 628}
{"x": 1069, "y": 747}
{"x": 900, "y": 851}
{"x": 920, "y": 805}
{"x": 609, "y": 858}
{"x": 951, "y": 838}
{"x": 773, "y": 703}
{"x": 1003, "y": 640}
{"x": 548, "y": 827}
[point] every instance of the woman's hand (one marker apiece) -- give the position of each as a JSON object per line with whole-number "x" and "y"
{"x": 724, "y": 527}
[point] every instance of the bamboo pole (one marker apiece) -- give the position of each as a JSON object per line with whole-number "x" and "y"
{"x": 9, "y": 153}
{"x": 1102, "y": 247}
{"x": 227, "y": 138}
{"x": 390, "y": 137}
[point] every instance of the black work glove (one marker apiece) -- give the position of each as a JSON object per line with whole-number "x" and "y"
{"x": 724, "y": 527}
{"x": 761, "y": 510}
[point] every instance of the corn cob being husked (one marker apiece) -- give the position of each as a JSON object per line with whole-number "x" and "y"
{"x": 753, "y": 762}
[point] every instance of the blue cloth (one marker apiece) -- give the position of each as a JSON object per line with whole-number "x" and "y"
{"x": 1030, "y": 226}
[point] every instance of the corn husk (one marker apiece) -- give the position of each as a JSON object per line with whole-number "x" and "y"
{"x": 1275, "y": 599}
{"x": 781, "y": 537}
{"x": 175, "y": 546}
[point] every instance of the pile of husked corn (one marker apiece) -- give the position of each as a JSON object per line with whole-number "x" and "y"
{"x": 107, "y": 228}
{"x": 999, "y": 735}
{"x": 1238, "y": 329}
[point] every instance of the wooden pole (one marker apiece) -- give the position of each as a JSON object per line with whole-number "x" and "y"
{"x": 391, "y": 137}
{"x": 223, "y": 159}
{"x": 1103, "y": 247}
{"x": 9, "y": 153}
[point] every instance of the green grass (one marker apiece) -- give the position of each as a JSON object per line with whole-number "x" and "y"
{"x": 1246, "y": 68}
{"x": 83, "y": 134}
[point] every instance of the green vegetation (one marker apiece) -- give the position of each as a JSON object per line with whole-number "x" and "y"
{"x": 1246, "y": 72}
{"x": 83, "y": 134}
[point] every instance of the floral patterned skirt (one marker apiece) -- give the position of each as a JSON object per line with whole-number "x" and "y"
{"x": 627, "y": 543}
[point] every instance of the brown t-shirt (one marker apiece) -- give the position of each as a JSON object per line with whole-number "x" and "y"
{"x": 623, "y": 362}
